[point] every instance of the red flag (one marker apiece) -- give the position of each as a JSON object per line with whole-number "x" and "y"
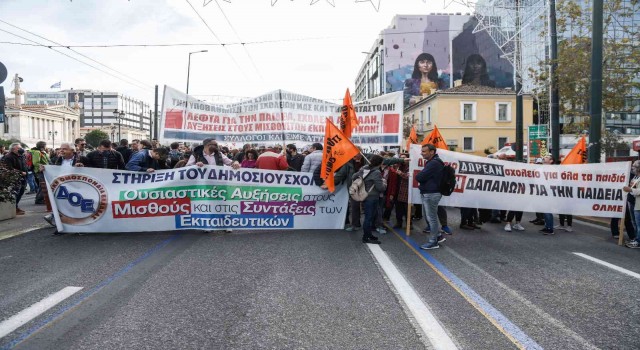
{"x": 348, "y": 119}
{"x": 337, "y": 150}
{"x": 435, "y": 139}
{"x": 413, "y": 137}
{"x": 578, "y": 154}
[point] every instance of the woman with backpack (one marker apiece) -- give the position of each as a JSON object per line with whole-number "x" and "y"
{"x": 374, "y": 184}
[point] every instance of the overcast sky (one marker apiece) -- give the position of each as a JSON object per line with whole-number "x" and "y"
{"x": 314, "y": 50}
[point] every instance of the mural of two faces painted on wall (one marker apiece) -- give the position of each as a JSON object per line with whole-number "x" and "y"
{"x": 427, "y": 53}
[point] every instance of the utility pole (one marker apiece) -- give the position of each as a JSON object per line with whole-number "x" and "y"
{"x": 554, "y": 96}
{"x": 596, "y": 84}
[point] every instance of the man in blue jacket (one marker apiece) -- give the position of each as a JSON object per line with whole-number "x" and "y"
{"x": 429, "y": 180}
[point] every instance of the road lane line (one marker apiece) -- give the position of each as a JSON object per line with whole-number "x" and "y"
{"x": 88, "y": 293}
{"x": 584, "y": 344}
{"x": 500, "y": 321}
{"x": 609, "y": 265}
{"x": 423, "y": 316}
{"x": 35, "y": 310}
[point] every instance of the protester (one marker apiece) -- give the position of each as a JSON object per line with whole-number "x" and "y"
{"x": 354, "y": 211}
{"x": 174, "y": 155}
{"x": 313, "y": 160}
{"x": 208, "y": 153}
{"x": 429, "y": 179}
{"x": 271, "y": 160}
{"x": 149, "y": 160}
{"x": 250, "y": 158}
{"x": 548, "y": 217}
{"x": 629, "y": 220}
{"x": 239, "y": 157}
{"x": 81, "y": 145}
{"x": 67, "y": 158}
{"x": 104, "y": 157}
{"x": 374, "y": 184}
{"x": 15, "y": 160}
{"x": 634, "y": 189}
{"x": 125, "y": 150}
{"x": 294, "y": 159}
{"x": 39, "y": 156}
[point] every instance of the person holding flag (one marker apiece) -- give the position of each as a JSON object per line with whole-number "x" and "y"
{"x": 336, "y": 151}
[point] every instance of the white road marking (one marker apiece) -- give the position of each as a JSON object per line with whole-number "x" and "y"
{"x": 33, "y": 311}
{"x": 423, "y": 316}
{"x": 609, "y": 265}
{"x": 584, "y": 344}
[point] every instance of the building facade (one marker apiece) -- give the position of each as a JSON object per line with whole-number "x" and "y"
{"x": 97, "y": 108}
{"x": 470, "y": 118}
{"x": 32, "y": 123}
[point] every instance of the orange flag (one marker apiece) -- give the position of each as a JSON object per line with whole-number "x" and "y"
{"x": 578, "y": 154}
{"x": 435, "y": 139}
{"x": 413, "y": 137}
{"x": 348, "y": 119}
{"x": 337, "y": 150}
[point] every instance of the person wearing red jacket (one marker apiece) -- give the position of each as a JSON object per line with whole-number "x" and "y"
{"x": 271, "y": 160}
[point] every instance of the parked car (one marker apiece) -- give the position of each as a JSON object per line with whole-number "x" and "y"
{"x": 509, "y": 152}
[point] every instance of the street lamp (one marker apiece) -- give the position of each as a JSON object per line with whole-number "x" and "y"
{"x": 118, "y": 115}
{"x": 52, "y": 135}
{"x": 189, "y": 67}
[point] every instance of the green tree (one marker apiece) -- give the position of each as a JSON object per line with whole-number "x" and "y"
{"x": 7, "y": 143}
{"x": 621, "y": 60}
{"x": 94, "y": 137}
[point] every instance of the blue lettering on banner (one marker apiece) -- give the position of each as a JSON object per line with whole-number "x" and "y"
{"x": 222, "y": 221}
{"x": 75, "y": 199}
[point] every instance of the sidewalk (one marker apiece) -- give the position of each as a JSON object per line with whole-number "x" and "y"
{"x": 31, "y": 220}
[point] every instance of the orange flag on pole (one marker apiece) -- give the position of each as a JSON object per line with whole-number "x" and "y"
{"x": 348, "y": 119}
{"x": 435, "y": 139}
{"x": 578, "y": 154}
{"x": 337, "y": 150}
{"x": 413, "y": 137}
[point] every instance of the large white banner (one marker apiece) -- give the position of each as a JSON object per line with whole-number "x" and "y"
{"x": 586, "y": 189}
{"x": 207, "y": 198}
{"x": 275, "y": 118}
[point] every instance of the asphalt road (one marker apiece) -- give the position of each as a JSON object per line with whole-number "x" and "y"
{"x": 488, "y": 288}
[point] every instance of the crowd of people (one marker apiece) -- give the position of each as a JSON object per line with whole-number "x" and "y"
{"x": 385, "y": 176}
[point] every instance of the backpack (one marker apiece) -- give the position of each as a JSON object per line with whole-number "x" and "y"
{"x": 357, "y": 190}
{"x": 448, "y": 180}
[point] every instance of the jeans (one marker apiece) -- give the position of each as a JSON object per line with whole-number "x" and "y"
{"x": 20, "y": 192}
{"x": 379, "y": 221}
{"x": 31, "y": 180}
{"x": 430, "y": 210}
{"x": 548, "y": 221}
{"x": 370, "y": 211}
{"x": 637, "y": 217}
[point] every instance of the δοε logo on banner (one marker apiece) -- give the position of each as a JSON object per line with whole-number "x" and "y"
{"x": 80, "y": 199}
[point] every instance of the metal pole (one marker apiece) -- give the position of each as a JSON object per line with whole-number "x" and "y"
{"x": 596, "y": 84}
{"x": 519, "y": 102}
{"x": 188, "y": 70}
{"x": 155, "y": 121}
{"x": 554, "y": 93}
{"x": 119, "y": 135}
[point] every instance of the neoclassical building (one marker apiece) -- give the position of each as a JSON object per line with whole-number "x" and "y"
{"x": 33, "y": 123}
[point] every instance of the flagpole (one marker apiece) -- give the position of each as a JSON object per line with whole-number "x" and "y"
{"x": 284, "y": 146}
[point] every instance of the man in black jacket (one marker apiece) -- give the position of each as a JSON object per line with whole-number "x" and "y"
{"x": 429, "y": 179}
{"x": 104, "y": 157}
{"x": 125, "y": 150}
{"x": 15, "y": 160}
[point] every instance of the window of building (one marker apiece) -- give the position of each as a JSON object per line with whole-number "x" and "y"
{"x": 502, "y": 141}
{"x": 429, "y": 115}
{"x": 6, "y": 124}
{"x": 503, "y": 111}
{"x": 467, "y": 144}
{"x": 467, "y": 111}
{"x": 421, "y": 126}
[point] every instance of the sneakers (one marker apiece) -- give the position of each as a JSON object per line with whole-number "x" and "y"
{"x": 381, "y": 230}
{"x": 446, "y": 229}
{"x": 518, "y": 227}
{"x": 430, "y": 245}
{"x": 558, "y": 227}
{"x": 633, "y": 244}
{"x": 466, "y": 227}
{"x": 19, "y": 211}
{"x": 537, "y": 222}
{"x": 49, "y": 218}
{"x": 351, "y": 228}
{"x": 545, "y": 231}
{"x": 507, "y": 227}
{"x": 568, "y": 229}
{"x": 228, "y": 230}
{"x": 441, "y": 239}
{"x": 371, "y": 240}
